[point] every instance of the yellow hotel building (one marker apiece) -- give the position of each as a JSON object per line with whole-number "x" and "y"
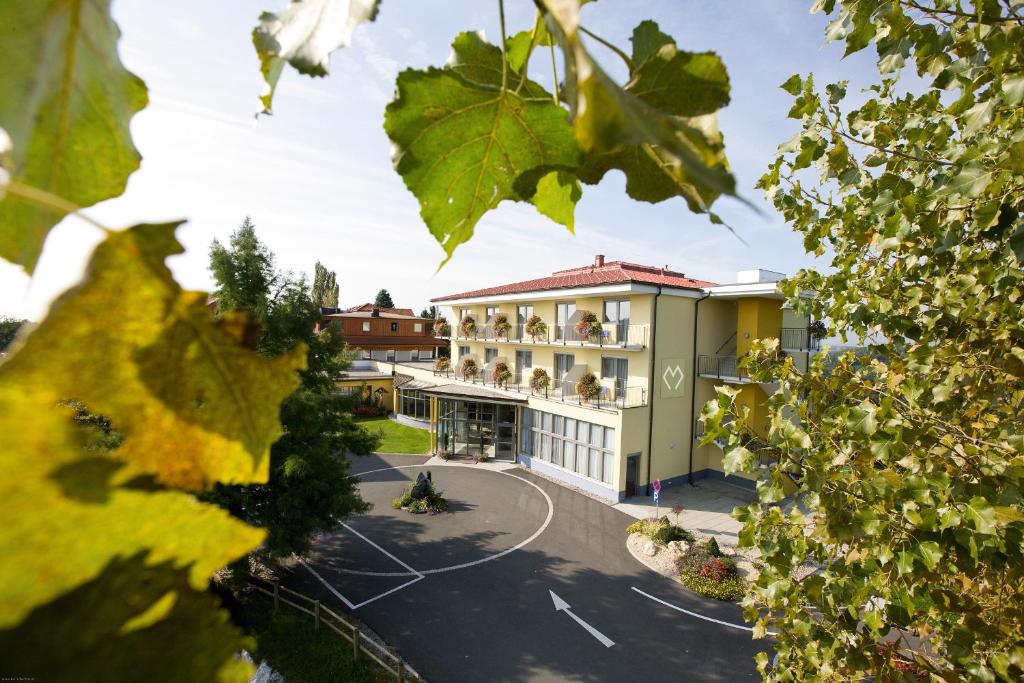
{"x": 657, "y": 345}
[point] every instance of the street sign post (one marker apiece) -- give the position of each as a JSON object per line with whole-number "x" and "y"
{"x": 656, "y": 487}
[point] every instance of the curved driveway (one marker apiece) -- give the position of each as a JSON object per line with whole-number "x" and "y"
{"x": 495, "y": 621}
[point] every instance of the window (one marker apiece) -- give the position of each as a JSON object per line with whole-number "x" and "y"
{"x": 563, "y": 364}
{"x": 417, "y": 327}
{"x": 415, "y": 354}
{"x": 391, "y": 354}
{"x": 463, "y": 351}
{"x": 394, "y": 327}
{"x": 364, "y": 354}
{"x": 524, "y": 361}
{"x": 465, "y": 313}
{"x": 617, "y": 369}
{"x": 564, "y": 313}
{"x": 524, "y": 312}
{"x": 581, "y": 447}
{"x": 491, "y": 312}
{"x": 489, "y": 355}
{"x": 617, "y": 313}
{"x": 366, "y": 326}
{"x": 413, "y": 403}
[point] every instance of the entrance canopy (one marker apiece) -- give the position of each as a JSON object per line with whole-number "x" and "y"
{"x": 474, "y": 393}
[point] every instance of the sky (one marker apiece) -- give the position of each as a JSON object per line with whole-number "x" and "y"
{"x": 317, "y": 179}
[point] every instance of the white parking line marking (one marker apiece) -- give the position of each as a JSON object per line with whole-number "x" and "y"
{"x": 695, "y": 614}
{"x": 349, "y": 603}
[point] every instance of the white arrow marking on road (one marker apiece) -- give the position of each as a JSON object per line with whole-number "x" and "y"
{"x": 562, "y": 606}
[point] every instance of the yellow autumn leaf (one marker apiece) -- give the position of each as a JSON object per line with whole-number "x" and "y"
{"x": 195, "y": 406}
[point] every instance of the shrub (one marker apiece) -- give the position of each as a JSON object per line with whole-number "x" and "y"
{"x": 588, "y": 325}
{"x": 421, "y": 498}
{"x": 540, "y": 379}
{"x": 660, "y": 531}
{"x": 731, "y": 588}
{"x": 535, "y": 327}
{"x": 468, "y": 325}
{"x": 588, "y": 387}
{"x": 501, "y": 373}
{"x": 501, "y": 325}
{"x": 705, "y": 570}
{"x": 469, "y": 368}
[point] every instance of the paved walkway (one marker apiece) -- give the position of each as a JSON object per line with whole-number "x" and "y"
{"x": 707, "y": 508}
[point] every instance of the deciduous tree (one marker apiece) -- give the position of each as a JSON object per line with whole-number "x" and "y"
{"x": 309, "y": 489}
{"x": 908, "y": 459}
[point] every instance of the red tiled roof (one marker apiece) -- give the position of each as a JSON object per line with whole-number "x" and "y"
{"x": 613, "y": 272}
{"x": 369, "y": 307}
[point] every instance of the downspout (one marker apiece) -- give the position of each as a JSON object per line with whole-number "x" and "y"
{"x": 650, "y": 387}
{"x": 693, "y": 387}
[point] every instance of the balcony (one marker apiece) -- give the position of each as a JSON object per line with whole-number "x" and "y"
{"x": 616, "y": 398}
{"x": 613, "y": 335}
{"x": 798, "y": 339}
{"x": 724, "y": 368}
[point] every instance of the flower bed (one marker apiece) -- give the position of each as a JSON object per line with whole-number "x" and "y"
{"x": 705, "y": 570}
{"x": 661, "y": 531}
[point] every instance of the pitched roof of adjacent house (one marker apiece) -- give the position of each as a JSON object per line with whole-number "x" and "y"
{"x": 369, "y": 307}
{"x": 600, "y": 273}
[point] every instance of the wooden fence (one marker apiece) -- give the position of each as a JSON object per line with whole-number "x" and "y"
{"x": 323, "y": 616}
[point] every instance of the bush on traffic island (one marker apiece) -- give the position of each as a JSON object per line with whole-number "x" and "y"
{"x": 420, "y": 497}
{"x": 661, "y": 531}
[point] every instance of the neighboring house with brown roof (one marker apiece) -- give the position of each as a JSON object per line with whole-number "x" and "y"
{"x": 394, "y": 334}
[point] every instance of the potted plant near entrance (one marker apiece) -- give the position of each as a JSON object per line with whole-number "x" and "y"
{"x": 501, "y": 325}
{"x": 501, "y": 374}
{"x": 468, "y": 326}
{"x": 470, "y": 369}
{"x": 588, "y": 387}
{"x": 535, "y": 327}
{"x": 540, "y": 380}
{"x": 588, "y": 326}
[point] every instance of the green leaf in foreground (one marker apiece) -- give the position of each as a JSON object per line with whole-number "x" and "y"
{"x": 66, "y": 102}
{"x": 304, "y": 35}
{"x": 607, "y": 117}
{"x": 463, "y": 146}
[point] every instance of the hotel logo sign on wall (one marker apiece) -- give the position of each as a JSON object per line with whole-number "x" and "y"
{"x": 672, "y": 384}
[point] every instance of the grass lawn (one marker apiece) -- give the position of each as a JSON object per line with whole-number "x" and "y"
{"x": 290, "y": 645}
{"x": 397, "y": 438}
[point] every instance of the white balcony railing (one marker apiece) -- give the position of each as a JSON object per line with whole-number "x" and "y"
{"x": 612, "y": 397}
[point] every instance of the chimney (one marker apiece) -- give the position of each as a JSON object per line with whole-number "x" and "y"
{"x": 375, "y": 313}
{"x": 599, "y": 260}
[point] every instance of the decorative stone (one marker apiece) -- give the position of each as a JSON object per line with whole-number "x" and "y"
{"x": 649, "y": 549}
{"x": 679, "y": 546}
{"x": 746, "y": 570}
{"x": 728, "y": 551}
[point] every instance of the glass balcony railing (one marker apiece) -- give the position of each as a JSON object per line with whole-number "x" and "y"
{"x": 564, "y": 391}
{"x": 619, "y": 335}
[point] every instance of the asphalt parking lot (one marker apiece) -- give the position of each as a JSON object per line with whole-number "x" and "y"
{"x": 522, "y": 580}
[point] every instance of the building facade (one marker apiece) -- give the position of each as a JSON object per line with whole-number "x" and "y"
{"x": 657, "y": 344}
{"x": 386, "y": 334}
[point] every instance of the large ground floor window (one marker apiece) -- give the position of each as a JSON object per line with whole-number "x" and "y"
{"x": 582, "y": 447}
{"x": 476, "y": 429}
{"x": 412, "y": 403}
